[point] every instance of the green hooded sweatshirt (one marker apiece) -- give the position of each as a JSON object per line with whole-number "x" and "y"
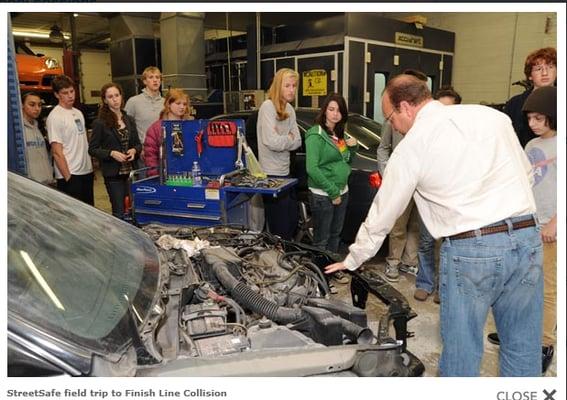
{"x": 327, "y": 163}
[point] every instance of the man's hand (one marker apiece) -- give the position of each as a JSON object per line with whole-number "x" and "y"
{"x": 131, "y": 154}
{"x": 329, "y": 269}
{"x": 549, "y": 231}
{"x": 60, "y": 160}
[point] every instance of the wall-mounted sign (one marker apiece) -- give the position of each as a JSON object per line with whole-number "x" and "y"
{"x": 409, "y": 40}
{"x": 315, "y": 82}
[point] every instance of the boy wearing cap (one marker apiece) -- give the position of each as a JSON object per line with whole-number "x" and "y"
{"x": 541, "y": 110}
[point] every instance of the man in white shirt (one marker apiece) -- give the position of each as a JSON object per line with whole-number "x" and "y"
{"x": 470, "y": 180}
{"x": 69, "y": 145}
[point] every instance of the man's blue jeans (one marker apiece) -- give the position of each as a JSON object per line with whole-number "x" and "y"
{"x": 502, "y": 271}
{"x": 426, "y": 256}
{"x": 328, "y": 221}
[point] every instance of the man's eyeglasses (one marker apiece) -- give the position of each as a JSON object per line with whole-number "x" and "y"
{"x": 389, "y": 117}
{"x": 539, "y": 68}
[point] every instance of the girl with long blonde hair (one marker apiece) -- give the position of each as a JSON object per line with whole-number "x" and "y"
{"x": 278, "y": 134}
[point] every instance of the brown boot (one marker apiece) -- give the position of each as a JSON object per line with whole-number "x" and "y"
{"x": 420, "y": 295}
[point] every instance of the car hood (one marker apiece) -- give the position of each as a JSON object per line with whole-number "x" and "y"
{"x": 29, "y": 64}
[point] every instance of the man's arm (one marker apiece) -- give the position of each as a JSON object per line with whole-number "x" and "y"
{"x": 130, "y": 108}
{"x": 60, "y": 160}
{"x": 270, "y": 137}
{"x": 398, "y": 187}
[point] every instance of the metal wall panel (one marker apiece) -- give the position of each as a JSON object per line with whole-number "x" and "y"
{"x": 382, "y": 61}
{"x": 373, "y": 27}
{"x": 355, "y": 75}
{"x": 121, "y": 58}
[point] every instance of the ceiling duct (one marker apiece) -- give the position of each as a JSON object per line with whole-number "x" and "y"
{"x": 126, "y": 26}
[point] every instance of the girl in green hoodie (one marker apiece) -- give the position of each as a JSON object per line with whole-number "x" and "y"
{"x": 329, "y": 156}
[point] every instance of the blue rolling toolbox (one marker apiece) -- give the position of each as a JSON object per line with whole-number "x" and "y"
{"x": 171, "y": 197}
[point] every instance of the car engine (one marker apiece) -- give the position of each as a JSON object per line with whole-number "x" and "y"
{"x": 229, "y": 295}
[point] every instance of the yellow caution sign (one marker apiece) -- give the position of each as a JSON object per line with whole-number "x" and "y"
{"x": 314, "y": 82}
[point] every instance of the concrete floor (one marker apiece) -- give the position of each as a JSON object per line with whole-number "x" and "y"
{"x": 426, "y": 344}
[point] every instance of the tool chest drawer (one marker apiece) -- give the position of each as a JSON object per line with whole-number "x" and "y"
{"x": 198, "y": 206}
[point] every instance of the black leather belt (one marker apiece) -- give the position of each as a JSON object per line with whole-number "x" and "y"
{"x": 489, "y": 230}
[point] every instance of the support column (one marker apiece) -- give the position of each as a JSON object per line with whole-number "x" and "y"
{"x": 183, "y": 53}
{"x": 253, "y": 54}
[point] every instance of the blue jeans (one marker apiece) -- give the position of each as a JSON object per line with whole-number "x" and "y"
{"x": 328, "y": 221}
{"x": 502, "y": 271}
{"x": 426, "y": 257}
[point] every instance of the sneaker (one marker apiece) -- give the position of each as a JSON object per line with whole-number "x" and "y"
{"x": 546, "y": 357}
{"x": 341, "y": 277}
{"x": 493, "y": 338}
{"x": 436, "y": 298}
{"x": 408, "y": 269}
{"x": 420, "y": 295}
{"x": 392, "y": 274}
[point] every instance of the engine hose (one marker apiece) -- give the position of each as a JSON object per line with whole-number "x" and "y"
{"x": 238, "y": 311}
{"x": 323, "y": 280}
{"x": 252, "y": 300}
{"x": 322, "y": 284}
{"x": 357, "y": 333}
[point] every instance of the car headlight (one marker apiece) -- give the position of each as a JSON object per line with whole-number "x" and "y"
{"x": 51, "y": 63}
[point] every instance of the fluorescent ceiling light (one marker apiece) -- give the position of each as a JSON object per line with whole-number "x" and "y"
{"x": 39, "y": 35}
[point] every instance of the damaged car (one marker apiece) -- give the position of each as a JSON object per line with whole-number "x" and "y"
{"x": 91, "y": 295}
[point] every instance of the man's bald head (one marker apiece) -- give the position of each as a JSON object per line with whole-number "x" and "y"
{"x": 402, "y": 99}
{"x": 407, "y": 88}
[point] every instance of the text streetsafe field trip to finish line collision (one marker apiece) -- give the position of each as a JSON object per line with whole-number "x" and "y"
{"x": 115, "y": 392}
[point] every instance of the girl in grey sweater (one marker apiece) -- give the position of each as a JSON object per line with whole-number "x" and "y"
{"x": 278, "y": 134}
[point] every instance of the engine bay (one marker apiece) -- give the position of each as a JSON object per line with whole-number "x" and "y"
{"x": 230, "y": 295}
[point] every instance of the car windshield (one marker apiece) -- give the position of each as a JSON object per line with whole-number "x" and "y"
{"x": 74, "y": 270}
{"x": 366, "y": 131}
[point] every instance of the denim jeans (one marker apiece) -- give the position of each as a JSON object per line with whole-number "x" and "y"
{"x": 426, "y": 257}
{"x": 502, "y": 271}
{"x": 117, "y": 189}
{"x": 328, "y": 221}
